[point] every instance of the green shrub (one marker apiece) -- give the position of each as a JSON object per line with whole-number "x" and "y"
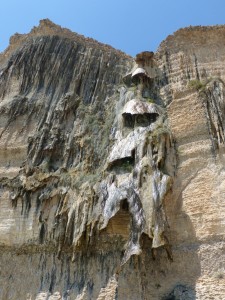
{"x": 127, "y": 166}
{"x": 149, "y": 100}
{"x": 196, "y": 84}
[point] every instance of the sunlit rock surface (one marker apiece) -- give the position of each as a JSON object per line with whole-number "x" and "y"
{"x": 112, "y": 168}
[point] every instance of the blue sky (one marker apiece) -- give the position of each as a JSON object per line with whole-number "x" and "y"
{"x": 129, "y": 25}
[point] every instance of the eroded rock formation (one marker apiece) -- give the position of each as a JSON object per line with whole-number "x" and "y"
{"x": 112, "y": 169}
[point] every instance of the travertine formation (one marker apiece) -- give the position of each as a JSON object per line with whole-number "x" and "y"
{"x": 112, "y": 169}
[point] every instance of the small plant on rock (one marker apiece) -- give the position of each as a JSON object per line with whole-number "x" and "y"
{"x": 196, "y": 84}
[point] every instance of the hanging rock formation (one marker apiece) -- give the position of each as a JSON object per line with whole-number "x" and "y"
{"x": 112, "y": 169}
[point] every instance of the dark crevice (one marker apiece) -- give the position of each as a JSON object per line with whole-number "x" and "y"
{"x": 136, "y": 120}
{"x": 125, "y": 164}
{"x": 124, "y": 205}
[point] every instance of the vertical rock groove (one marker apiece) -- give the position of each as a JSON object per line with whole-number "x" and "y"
{"x": 112, "y": 168}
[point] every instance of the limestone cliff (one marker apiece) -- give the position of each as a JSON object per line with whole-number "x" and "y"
{"x": 112, "y": 168}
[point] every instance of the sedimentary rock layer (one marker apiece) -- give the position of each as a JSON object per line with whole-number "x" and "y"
{"x": 112, "y": 169}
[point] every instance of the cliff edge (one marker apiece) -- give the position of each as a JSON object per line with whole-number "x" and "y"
{"x": 112, "y": 168}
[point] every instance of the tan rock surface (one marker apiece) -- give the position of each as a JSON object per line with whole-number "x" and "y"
{"x": 72, "y": 212}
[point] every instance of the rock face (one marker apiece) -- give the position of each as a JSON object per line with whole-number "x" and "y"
{"x": 112, "y": 169}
